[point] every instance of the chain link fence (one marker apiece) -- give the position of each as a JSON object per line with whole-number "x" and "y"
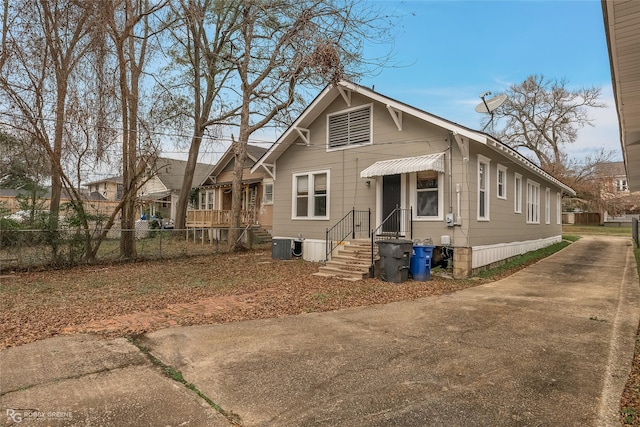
{"x": 22, "y": 249}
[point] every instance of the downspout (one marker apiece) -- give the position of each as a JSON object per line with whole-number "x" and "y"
{"x": 450, "y": 173}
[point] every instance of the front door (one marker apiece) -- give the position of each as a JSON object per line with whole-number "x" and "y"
{"x": 391, "y": 198}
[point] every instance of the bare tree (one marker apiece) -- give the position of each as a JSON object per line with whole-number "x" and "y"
{"x": 282, "y": 46}
{"x": 128, "y": 24}
{"x": 201, "y": 35}
{"x": 543, "y": 115}
{"x": 43, "y": 44}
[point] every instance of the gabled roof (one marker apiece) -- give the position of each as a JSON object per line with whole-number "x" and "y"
{"x": 116, "y": 179}
{"x": 344, "y": 89}
{"x": 610, "y": 169}
{"x": 171, "y": 172}
{"x": 254, "y": 152}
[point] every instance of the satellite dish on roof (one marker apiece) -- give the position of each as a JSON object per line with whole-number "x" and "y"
{"x": 488, "y": 106}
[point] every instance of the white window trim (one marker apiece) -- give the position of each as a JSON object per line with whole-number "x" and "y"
{"x": 501, "y": 168}
{"x": 265, "y": 183}
{"x": 536, "y": 219}
{"x": 311, "y": 205}
{"x": 517, "y": 198}
{"x": 559, "y": 208}
{"x": 349, "y": 146}
{"x": 413, "y": 198}
{"x": 487, "y": 190}
{"x": 213, "y": 199}
{"x": 547, "y": 205}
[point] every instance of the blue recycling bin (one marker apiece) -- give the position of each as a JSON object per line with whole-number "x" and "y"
{"x": 420, "y": 263}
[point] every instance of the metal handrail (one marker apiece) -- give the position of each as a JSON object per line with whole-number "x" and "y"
{"x": 349, "y": 225}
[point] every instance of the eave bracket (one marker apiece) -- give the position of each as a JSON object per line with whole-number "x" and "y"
{"x": 396, "y": 115}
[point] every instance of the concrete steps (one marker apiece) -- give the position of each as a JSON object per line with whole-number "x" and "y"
{"x": 351, "y": 262}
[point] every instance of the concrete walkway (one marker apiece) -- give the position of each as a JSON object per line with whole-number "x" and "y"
{"x": 550, "y": 345}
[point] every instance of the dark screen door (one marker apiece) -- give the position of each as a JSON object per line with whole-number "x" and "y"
{"x": 390, "y": 199}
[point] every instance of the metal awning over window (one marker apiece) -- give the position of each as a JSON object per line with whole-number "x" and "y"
{"x": 432, "y": 162}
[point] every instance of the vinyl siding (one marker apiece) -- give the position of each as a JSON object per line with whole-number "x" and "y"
{"x": 505, "y": 225}
{"x": 347, "y": 189}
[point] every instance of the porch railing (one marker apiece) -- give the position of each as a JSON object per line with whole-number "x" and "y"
{"x": 212, "y": 217}
{"x": 399, "y": 223}
{"x": 354, "y": 223}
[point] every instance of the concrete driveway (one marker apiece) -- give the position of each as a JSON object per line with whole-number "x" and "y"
{"x": 551, "y": 345}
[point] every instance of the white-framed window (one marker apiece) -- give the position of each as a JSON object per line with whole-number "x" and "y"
{"x": 547, "y": 206}
{"x": 517, "y": 193}
{"x": 501, "y": 179}
{"x": 427, "y": 195}
{"x": 559, "y": 208}
{"x": 207, "y": 199}
{"x": 349, "y": 128}
{"x": 621, "y": 184}
{"x": 483, "y": 188}
{"x": 267, "y": 192}
{"x": 533, "y": 202}
{"x": 311, "y": 195}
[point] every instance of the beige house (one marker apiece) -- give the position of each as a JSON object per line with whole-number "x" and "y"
{"x": 108, "y": 188}
{"x": 214, "y": 194}
{"x": 159, "y": 194}
{"x": 354, "y": 151}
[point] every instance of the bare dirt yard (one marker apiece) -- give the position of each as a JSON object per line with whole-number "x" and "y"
{"x": 122, "y": 299}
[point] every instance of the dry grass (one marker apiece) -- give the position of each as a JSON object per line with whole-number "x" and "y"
{"x": 38, "y": 305}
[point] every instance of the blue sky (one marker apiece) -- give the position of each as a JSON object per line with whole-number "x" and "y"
{"x": 452, "y": 51}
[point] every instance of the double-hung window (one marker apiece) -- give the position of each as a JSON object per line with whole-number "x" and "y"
{"x": 483, "y": 188}
{"x": 311, "y": 195}
{"x": 427, "y": 194}
{"x": 267, "y": 192}
{"x": 533, "y": 202}
{"x": 559, "y": 208}
{"x": 517, "y": 193}
{"x": 547, "y": 206}
{"x": 349, "y": 128}
{"x": 207, "y": 200}
{"x": 502, "y": 182}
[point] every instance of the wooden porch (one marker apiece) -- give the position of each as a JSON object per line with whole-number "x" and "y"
{"x": 211, "y": 218}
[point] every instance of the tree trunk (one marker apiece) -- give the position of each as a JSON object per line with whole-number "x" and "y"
{"x": 240, "y": 156}
{"x": 56, "y": 169}
{"x": 187, "y": 182}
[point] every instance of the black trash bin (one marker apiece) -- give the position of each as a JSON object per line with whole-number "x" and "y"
{"x": 297, "y": 248}
{"x": 395, "y": 255}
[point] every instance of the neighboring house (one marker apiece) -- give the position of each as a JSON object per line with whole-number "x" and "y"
{"x": 159, "y": 195}
{"x": 355, "y": 150}
{"x": 214, "y": 194}
{"x": 613, "y": 177}
{"x": 109, "y": 188}
{"x": 619, "y": 205}
{"x": 94, "y": 202}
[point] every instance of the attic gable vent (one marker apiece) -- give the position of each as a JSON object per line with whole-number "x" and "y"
{"x": 348, "y": 128}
